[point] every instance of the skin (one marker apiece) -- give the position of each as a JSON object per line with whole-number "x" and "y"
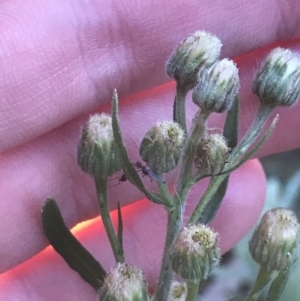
{"x": 59, "y": 62}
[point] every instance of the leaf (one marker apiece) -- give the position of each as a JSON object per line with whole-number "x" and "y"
{"x": 214, "y": 204}
{"x": 120, "y": 227}
{"x": 66, "y": 244}
{"x": 232, "y": 124}
{"x": 128, "y": 169}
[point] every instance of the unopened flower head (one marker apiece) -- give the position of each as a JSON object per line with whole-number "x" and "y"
{"x": 178, "y": 291}
{"x": 162, "y": 145}
{"x": 277, "y": 83}
{"x": 126, "y": 283}
{"x": 211, "y": 154}
{"x": 96, "y": 153}
{"x": 195, "y": 252}
{"x": 275, "y": 239}
{"x": 217, "y": 87}
{"x": 199, "y": 49}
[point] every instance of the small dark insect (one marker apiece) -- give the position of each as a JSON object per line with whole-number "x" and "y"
{"x": 121, "y": 178}
{"x": 149, "y": 172}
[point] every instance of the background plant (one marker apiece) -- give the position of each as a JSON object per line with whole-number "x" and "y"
{"x": 191, "y": 251}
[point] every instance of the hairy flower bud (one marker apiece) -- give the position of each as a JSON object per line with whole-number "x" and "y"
{"x": 195, "y": 252}
{"x": 199, "y": 49}
{"x": 162, "y": 145}
{"x": 96, "y": 152}
{"x": 277, "y": 83}
{"x": 126, "y": 283}
{"x": 178, "y": 291}
{"x": 275, "y": 239}
{"x": 217, "y": 87}
{"x": 211, "y": 154}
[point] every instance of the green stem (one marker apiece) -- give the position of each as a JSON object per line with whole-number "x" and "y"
{"x": 192, "y": 290}
{"x": 179, "y": 106}
{"x": 279, "y": 283}
{"x": 101, "y": 186}
{"x": 197, "y": 131}
{"x": 263, "y": 278}
{"x": 174, "y": 214}
{"x": 165, "y": 194}
{"x": 166, "y": 272}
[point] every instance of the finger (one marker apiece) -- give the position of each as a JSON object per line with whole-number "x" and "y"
{"x": 47, "y": 167}
{"x": 62, "y": 59}
{"x": 144, "y": 233}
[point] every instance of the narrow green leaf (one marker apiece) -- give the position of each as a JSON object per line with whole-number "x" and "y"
{"x": 120, "y": 227}
{"x": 128, "y": 168}
{"x": 232, "y": 124}
{"x": 214, "y": 204}
{"x": 72, "y": 251}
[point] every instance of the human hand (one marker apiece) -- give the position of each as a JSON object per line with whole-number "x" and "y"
{"x": 60, "y": 61}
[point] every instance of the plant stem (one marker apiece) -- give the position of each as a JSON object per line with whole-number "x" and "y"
{"x": 101, "y": 186}
{"x": 192, "y": 290}
{"x": 179, "y": 106}
{"x": 279, "y": 283}
{"x": 262, "y": 280}
{"x": 174, "y": 214}
{"x": 197, "y": 131}
{"x": 165, "y": 194}
{"x": 166, "y": 272}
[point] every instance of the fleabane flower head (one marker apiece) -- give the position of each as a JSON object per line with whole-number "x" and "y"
{"x": 125, "y": 282}
{"x": 277, "y": 83}
{"x": 199, "y": 49}
{"x": 195, "y": 252}
{"x": 96, "y": 153}
{"x": 162, "y": 145}
{"x": 275, "y": 239}
{"x": 217, "y": 87}
{"x": 211, "y": 154}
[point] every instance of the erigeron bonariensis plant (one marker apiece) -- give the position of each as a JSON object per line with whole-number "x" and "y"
{"x": 191, "y": 251}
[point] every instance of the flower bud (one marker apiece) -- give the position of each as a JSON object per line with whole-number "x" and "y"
{"x": 162, "y": 145}
{"x": 178, "y": 291}
{"x": 217, "y": 87}
{"x": 96, "y": 152}
{"x": 277, "y": 83}
{"x": 211, "y": 154}
{"x": 199, "y": 49}
{"x": 125, "y": 282}
{"x": 275, "y": 239}
{"x": 195, "y": 252}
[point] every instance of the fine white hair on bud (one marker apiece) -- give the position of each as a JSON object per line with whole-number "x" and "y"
{"x": 211, "y": 154}
{"x": 125, "y": 282}
{"x": 195, "y": 252}
{"x": 199, "y": 49}
{"x": 275, "y": 239}
{"x": 178, "y": 291}
{"x": 96, "y": 153}
{"x": 277, "y": 83}
{"x": 217, "y": 87}
{"x": 162, "y": 145}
